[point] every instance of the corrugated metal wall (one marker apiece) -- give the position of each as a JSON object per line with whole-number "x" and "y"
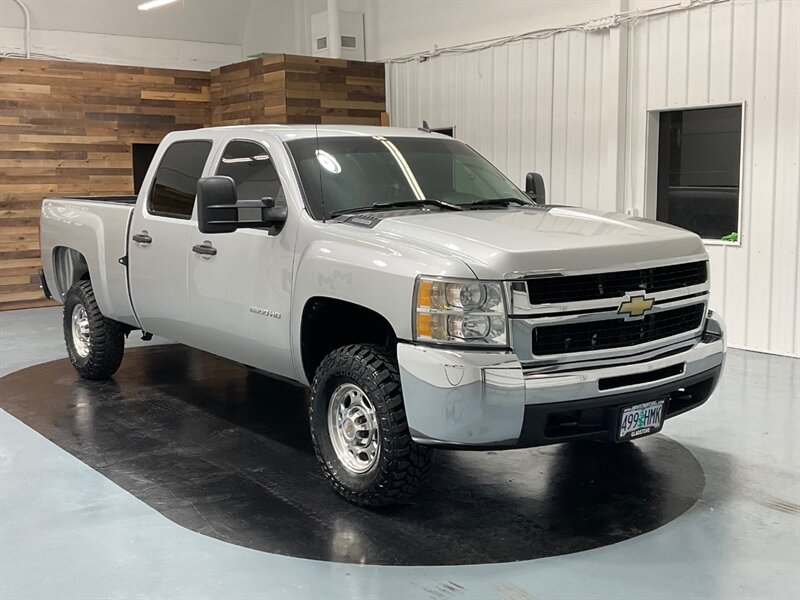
{"x": 749, "y": 52}
{"x": 576, "y": 107}
{"x": 523, "y": 105}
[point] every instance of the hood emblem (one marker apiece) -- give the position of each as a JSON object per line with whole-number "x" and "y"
{"x": 635, "y": 305}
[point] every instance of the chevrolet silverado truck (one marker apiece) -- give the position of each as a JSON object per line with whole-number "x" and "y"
{"x": 424, "y": 298}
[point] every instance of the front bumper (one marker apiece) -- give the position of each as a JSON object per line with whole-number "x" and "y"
{"x": 473, "y": 399}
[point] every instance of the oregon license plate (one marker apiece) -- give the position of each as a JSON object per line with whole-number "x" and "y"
{"x": 641, "y": 419}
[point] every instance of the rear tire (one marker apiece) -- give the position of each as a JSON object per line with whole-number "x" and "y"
{"x": 95, "y": 344}
{"x": 359, "y": 428}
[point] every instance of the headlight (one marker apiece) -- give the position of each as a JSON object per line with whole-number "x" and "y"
{"x": 457, "y": 311}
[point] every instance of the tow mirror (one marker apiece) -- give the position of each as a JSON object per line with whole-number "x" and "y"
{"x": 219, "y": 211}
{"x": 534, "y": 187}
{"x": 216, "y": 205}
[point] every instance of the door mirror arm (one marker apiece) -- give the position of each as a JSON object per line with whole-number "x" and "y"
{"x": 261, "y": 213}
{"x": 219, "y": 210}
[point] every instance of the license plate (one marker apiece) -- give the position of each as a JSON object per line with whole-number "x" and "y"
{"x": 641, "y": 419}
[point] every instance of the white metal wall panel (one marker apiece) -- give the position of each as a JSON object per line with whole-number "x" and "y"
{"x": 523, "y": 105}
{"x": 565, "y": 105}
{"x": 785, "y": 305}
{"x": 748, "y": 52}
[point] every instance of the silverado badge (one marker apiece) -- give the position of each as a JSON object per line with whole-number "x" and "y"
{"x": 635, "y": 305}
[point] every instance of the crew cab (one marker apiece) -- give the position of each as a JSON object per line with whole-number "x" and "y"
{"x": 424, "y": 298}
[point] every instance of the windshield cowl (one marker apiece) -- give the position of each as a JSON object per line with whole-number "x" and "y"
{"x": 398, "y": 205}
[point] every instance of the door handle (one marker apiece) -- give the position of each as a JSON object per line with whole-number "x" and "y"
{"x": 142, "y": 238}
{"x": 206, "y": 249}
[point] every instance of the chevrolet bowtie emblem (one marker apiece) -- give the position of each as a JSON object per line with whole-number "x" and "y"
{"x": 635, "y": 305}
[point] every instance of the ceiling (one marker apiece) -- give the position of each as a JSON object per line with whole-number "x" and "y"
{"x": 221, "y": 21}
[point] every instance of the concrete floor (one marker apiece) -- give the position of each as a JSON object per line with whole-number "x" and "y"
{"x": 68, "y": 532}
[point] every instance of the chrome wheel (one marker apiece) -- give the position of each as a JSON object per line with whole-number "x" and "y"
{"x": 353, "y": 428}
{"x": 80, "y": 331}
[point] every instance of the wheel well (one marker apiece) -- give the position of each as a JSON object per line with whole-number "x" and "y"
{"x": 329, "y": 324}
{"x": 69, "y": 266}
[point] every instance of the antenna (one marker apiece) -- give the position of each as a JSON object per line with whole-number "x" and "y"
{"x": 319, "y": 170}
{"x": 424, "y": 127}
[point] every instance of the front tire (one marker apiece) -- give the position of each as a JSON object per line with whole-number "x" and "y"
{"x": 359, "y": 428}
{"x": 95, "y": 344}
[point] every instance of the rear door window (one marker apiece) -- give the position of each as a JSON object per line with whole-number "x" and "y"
{"x": 175, "y": 186}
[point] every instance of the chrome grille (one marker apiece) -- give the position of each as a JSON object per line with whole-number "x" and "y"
{"x": 588, "y": 336}
{"x": 577, "y": 288}
{"x": 560, "y": 320}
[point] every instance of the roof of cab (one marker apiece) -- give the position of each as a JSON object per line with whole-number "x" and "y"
{"x": 293, "y": 132}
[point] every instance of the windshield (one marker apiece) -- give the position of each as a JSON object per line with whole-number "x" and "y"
{"x": 351, "y": 173}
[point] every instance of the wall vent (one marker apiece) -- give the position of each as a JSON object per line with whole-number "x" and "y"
{"x": 351, "y": 35}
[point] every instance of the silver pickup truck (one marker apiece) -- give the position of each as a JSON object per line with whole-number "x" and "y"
{"x": 423, "y": 297}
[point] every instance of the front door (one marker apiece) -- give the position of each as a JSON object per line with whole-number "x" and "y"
{"x": 240, "y": 283}
{"x": 159, "y": 241}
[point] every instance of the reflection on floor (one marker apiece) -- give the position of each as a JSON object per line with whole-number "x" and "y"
{"x": 68, "y": 531}
{"x": 225, "y": 451}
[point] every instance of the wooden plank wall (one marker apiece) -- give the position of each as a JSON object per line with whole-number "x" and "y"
{"x": 66, "y": 128}
{"x": 284, "y": 88}
{"x": 327, "y": 91}
{"x": 250, "y": 92}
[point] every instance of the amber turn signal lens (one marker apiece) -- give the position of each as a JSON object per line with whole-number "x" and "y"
{"x": 424, "y": 294}
{"x": 424, "y": 325}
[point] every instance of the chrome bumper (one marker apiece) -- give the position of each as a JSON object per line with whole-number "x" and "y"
{"x": 473, "y": 398}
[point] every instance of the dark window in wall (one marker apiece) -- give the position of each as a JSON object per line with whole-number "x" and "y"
{"x": 175, "y": 187}
{"x": 251, "y": 167}
{"x": 698, "y": 170}
{"x": 451, "y": 131}
{"x": 142, "y": 157}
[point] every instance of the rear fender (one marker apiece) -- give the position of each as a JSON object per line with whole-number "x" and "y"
{"x": 87, "y": 237}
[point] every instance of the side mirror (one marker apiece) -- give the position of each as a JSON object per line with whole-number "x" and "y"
{"x": 534, "y": 187}
{"x": 216, "y": 205}
{"x": 219, "y": 211}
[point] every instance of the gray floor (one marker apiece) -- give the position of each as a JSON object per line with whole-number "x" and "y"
{"x": 68, "y": 532}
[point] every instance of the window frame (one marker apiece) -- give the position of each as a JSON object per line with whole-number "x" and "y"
{"x": 296, "y": 173}
{"x": 651, "y": 162}
{"x": 149, "y": 204}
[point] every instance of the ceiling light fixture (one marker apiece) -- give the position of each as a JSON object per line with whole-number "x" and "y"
{"x": 154, "y": 4}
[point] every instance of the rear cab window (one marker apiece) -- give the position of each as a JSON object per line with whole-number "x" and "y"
{"x": 175, "y": 186}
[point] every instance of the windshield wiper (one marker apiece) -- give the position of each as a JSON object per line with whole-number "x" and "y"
{"x": 398, "y": 204}
{"x": 499, "y": 202}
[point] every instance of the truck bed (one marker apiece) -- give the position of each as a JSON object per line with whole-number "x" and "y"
{"x": 96, "y": 228}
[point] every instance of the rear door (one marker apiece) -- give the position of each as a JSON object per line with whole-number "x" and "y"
{"x": 159, "y": 240}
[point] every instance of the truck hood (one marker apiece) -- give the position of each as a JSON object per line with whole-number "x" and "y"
{"x": 511, "y": 241}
